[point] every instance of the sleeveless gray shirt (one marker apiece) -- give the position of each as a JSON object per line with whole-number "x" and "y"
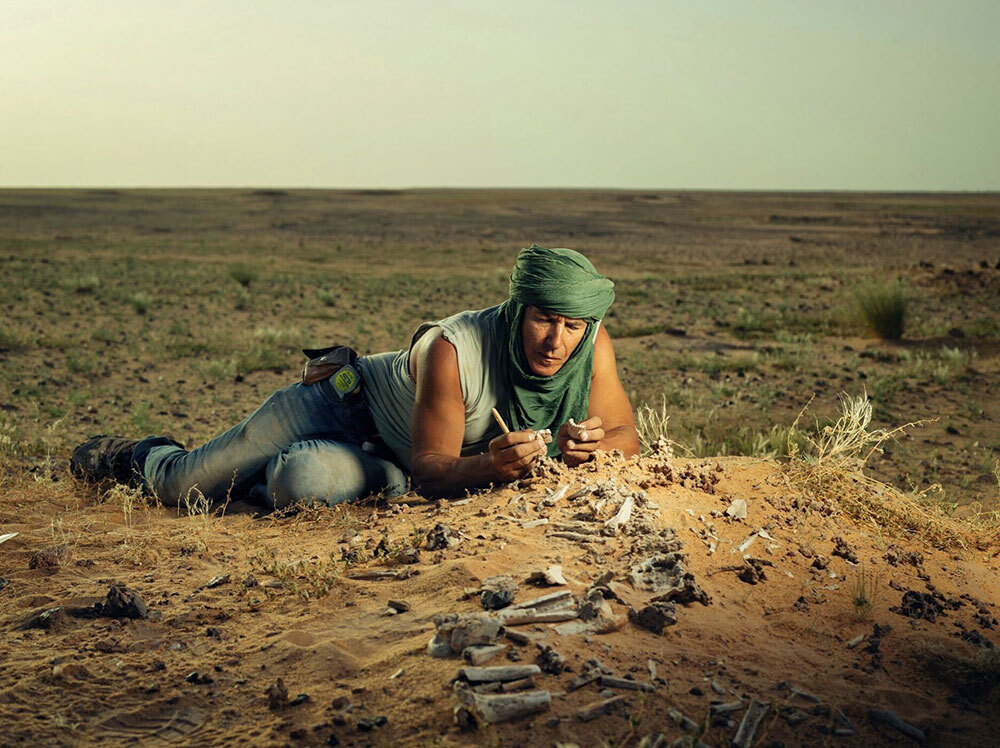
{"x": 391, "y": 391}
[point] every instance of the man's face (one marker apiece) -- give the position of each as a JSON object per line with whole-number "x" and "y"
{"x": 549, "y": 339}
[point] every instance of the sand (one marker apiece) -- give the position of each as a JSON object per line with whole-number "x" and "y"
{"x": 204, "y": 667}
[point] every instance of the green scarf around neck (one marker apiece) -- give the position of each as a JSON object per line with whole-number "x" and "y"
{"x": 565, "y": 282}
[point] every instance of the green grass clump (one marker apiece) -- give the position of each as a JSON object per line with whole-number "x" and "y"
{"x": 141, "y": 302}
{"x": 882, "y": 307}
{"x": 243, "y": 273}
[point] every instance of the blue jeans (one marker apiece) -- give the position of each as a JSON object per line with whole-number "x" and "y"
{"x": 304, "y": 444}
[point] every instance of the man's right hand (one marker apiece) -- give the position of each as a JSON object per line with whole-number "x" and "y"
{"x": 513, "y": 454}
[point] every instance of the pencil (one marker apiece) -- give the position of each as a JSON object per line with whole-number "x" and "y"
{"x": 499, "y": 420}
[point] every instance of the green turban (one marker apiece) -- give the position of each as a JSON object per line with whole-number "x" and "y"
{"x": 565, "y": 282}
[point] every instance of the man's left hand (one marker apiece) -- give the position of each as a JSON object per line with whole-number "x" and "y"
{"x": 577, "y": 443}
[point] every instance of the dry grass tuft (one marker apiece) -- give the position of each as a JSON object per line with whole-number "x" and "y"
{"x": 882, "y": 307}
{"x": 830, "y": 466}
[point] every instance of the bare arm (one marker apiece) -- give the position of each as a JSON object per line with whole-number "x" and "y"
{"x": 610, "y": 423}
{"x": 439, "y": 426}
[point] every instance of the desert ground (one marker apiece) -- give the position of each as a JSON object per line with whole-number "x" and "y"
{"x": 741, "y": 582}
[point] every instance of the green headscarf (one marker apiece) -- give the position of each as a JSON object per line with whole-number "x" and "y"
{"x": 565, "y": 282}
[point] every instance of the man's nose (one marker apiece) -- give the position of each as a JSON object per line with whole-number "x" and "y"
{"x": 555, "y": 335}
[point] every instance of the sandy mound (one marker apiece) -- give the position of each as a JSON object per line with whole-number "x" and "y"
{"x": 780, "y": 618}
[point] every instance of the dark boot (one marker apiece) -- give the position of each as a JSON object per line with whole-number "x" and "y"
{"x": 105, "y": 457}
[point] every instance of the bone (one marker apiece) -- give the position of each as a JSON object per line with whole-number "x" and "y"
{"x": 519, "y": 617}
{"x": 751, "y": 721}
{"x": 477, "y": 655}
{"x": 622, "y": 517}
{"x": 498, "y": 673}
{"x": 560, "y": 598}
{"x": 599, "y": 708}
{"x": 576, "y": 431}
{"x": 494, "y": 708}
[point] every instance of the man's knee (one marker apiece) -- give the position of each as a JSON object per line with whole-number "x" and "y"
{"x": 329, "y": 474}
{"x": 308, "y": 474}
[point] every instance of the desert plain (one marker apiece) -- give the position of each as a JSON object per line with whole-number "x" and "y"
{"x": 804, "y": 596}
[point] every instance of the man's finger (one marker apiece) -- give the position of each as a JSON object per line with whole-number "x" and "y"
{"x": 517, "y": 437}
{"x": 592, "y": 437}
{"x": 523, "y": 449}
{"x": 583, "y": 447}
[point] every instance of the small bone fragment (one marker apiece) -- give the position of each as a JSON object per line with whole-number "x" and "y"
{"x": 892, "y": 719}
{"x": 584, "y": 679}
{"x": 550, "y": 577}
{"x": 856, "y": 640}
{"x": 764, "y": 534}
{"x": 581, "y": 527}
{"x": 544, "y": 434}
{"x": 491, "y": 687}
{"x": 733, "y": 706}
{"x": 651, "y": 664}
{"x": 583, "y": 491}
{"x": 599, "y": 708}
{"x": 602, "y": 624}
{"x": 751, "y": 721}
{"x": 519, "y": 617}
{"x": 218, "y": 580}
{"x": 399, "y": 606}
{"x": 748, "y": 542}
{"x": 397, "y": 674}
{"x": 738, "y": 509}
{"x": 622, "y": 517}
{"x": 577, "y": 537}
{"x": 683, "y": 721}
{"x": 555, "y": 496}
{"x": 535, "y": 523}
{"x": 480, "y": 653}
{"x": 805, "y": 695}
{"x": 376, "y": 575}
{"x": 7, "y": 536}
{"x": 610, "y": 681}
{"x": 519, "y": 637}
{"x": 576, "y": 431}
{"x": 505, "y": 707}
{"x": 560, "y": 598}
{"x": 498, "y": 672}
{"x": 511, "y": 686}
{"x": 654, "y": 740}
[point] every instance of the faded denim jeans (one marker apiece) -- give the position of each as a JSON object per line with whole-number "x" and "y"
{"x": 304, "y": 444}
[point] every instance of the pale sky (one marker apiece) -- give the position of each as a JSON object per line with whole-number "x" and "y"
{"x": 712, "y": 94}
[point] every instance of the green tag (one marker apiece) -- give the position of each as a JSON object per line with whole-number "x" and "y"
{"x": 346, "y": 381}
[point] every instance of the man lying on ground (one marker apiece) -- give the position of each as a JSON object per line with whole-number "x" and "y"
{"x": 541, "y": 358}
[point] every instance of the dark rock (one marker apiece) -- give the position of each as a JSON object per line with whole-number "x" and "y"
{"x": 441, "y": 538}
{"x": 801, "y": 604}
{"x": 842, "y": 549}
{"x": 302, "y": 698}
{"x": 123, "y": 602}
{"x": 497, "y": 592}
{"x": 549, "y": 660}
{"x": 820, "y": 562}
{"x": 199, "y": 679}
{"x": 655, "y": 617}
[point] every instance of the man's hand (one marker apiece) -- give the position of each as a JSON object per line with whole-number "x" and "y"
{"x": 578, "y": 442}
{"x": 513, "y": 454}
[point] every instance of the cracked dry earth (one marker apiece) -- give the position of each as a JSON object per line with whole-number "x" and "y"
{"x": 639, "y": 602}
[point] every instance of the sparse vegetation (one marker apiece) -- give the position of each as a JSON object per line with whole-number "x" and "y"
{"x": 864, "y": 592}
{"x": 141, "y": 302}
{"x": 243, "y": 273}
{"x": 882, "y": 307}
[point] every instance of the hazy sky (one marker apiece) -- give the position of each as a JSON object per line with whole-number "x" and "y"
{"x": 758, "y": 94}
